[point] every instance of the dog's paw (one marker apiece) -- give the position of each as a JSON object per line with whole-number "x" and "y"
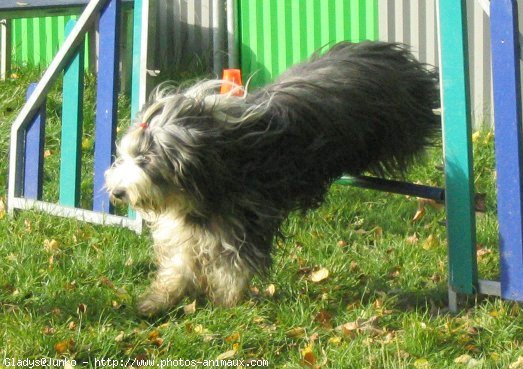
{"x": 151, "y": 304}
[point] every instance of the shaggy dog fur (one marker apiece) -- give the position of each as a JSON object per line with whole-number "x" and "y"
{"x": 216, "y": 175}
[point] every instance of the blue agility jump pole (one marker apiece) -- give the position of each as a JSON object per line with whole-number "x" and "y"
{"x": 508, "y": 144}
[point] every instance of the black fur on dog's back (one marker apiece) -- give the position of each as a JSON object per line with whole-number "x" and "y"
{"x": 356, "y": 108}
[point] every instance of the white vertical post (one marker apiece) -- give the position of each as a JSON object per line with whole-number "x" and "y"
{"x": 5, "y": 48}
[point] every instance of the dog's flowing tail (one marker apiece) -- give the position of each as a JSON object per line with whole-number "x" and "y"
{"x": 370, "y": 104}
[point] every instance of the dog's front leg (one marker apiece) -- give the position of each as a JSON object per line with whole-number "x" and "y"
{"x": 174, "y": 278}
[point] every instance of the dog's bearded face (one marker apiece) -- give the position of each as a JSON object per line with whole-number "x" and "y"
{"x": 164, "y": 161}
{"x": 136, "y": 175}
{"x": 150, "y": 160}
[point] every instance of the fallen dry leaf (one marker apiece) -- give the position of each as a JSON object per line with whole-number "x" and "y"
{"x": 349, "y": 327}
{"x": 296, "y": 332}
{"x": 472, "y": 348}
{"x": 488, "y": 137}
{"x": 157, "y": 342}
{"x": 368, "y": 326}
{"x": 154, "y": 338}
{"x": 475, "y": 136}
{"x": 429, "y": 242}
{"x": 482, "y": 252}
{"x": 270, "y": 290}
{"x": 324, "y": 319}
{"x": 106, "y": 282}
{"x": 420, "y": 213}
{"x": 309, "y": 359}
{"x": 421, "y": 363}
{"x": 153, "y": 335}
{"x": 190, "y": 308}
{"x": 2, "y": 209}
{"x": 165, "y": 325}
{"x": 412, "y": 240}
{"x": 47, "y": 153}
{"x": 233, "y": 337}
{"x": 64, "y": 346}
{"x": 422, "y": 206}
{"x": 314, "y": 337}
{"x": 120, "y": 336}
{"x": 116, "y": 305}
{"x": 226, "y": 355}
{"x": 319, "y": 275}
{"x": 87, "y": 143}
{"x": 395, "y": 272}
{"x": 378, "y": 232}
{"x": 389, "y": 337}
{"x": 342, "y": 243}
{"x": 463, "y": 359}
{"x": 48, "y": 330}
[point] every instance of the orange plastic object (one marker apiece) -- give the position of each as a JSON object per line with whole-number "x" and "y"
{"x": 234, "y": 76}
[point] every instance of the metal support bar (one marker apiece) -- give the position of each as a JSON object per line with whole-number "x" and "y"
{"x": 402, "y": 188}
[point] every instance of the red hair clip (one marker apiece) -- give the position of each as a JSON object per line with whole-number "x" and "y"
{"x": 143, "y": 125}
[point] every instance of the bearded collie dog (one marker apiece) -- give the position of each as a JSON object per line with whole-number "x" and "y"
{"x": 215, "y": 175}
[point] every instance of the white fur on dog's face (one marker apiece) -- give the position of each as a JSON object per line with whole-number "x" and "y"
{"x": 127, "y": 180}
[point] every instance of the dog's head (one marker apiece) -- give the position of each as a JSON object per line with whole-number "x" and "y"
{"x": 168, "y": 158}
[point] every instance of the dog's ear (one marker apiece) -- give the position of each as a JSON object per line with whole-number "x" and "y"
{"x": 195, "y": 154}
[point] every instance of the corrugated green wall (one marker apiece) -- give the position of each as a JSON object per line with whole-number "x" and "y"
{"x": 275, "y": 34}
{"x": 35, "y": 41}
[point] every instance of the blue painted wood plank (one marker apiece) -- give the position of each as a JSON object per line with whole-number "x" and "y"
{"x": 459, "y": 177}
{"x": 11, "y": 9}
{"x": 509, "y": 156}
{"x": 72, "y": 120}
{"x": 106, "y": 102}
{"x": 34, "y": 153}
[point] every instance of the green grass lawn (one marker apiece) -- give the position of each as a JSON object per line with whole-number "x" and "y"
{"x": 357, "y": 283}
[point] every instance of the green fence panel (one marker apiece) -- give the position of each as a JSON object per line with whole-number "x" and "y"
{"x": 35, "y": 41}
{"x": 274, "y": 34}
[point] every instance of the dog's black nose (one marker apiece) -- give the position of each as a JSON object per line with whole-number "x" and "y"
{"x": 118, "y": 193}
